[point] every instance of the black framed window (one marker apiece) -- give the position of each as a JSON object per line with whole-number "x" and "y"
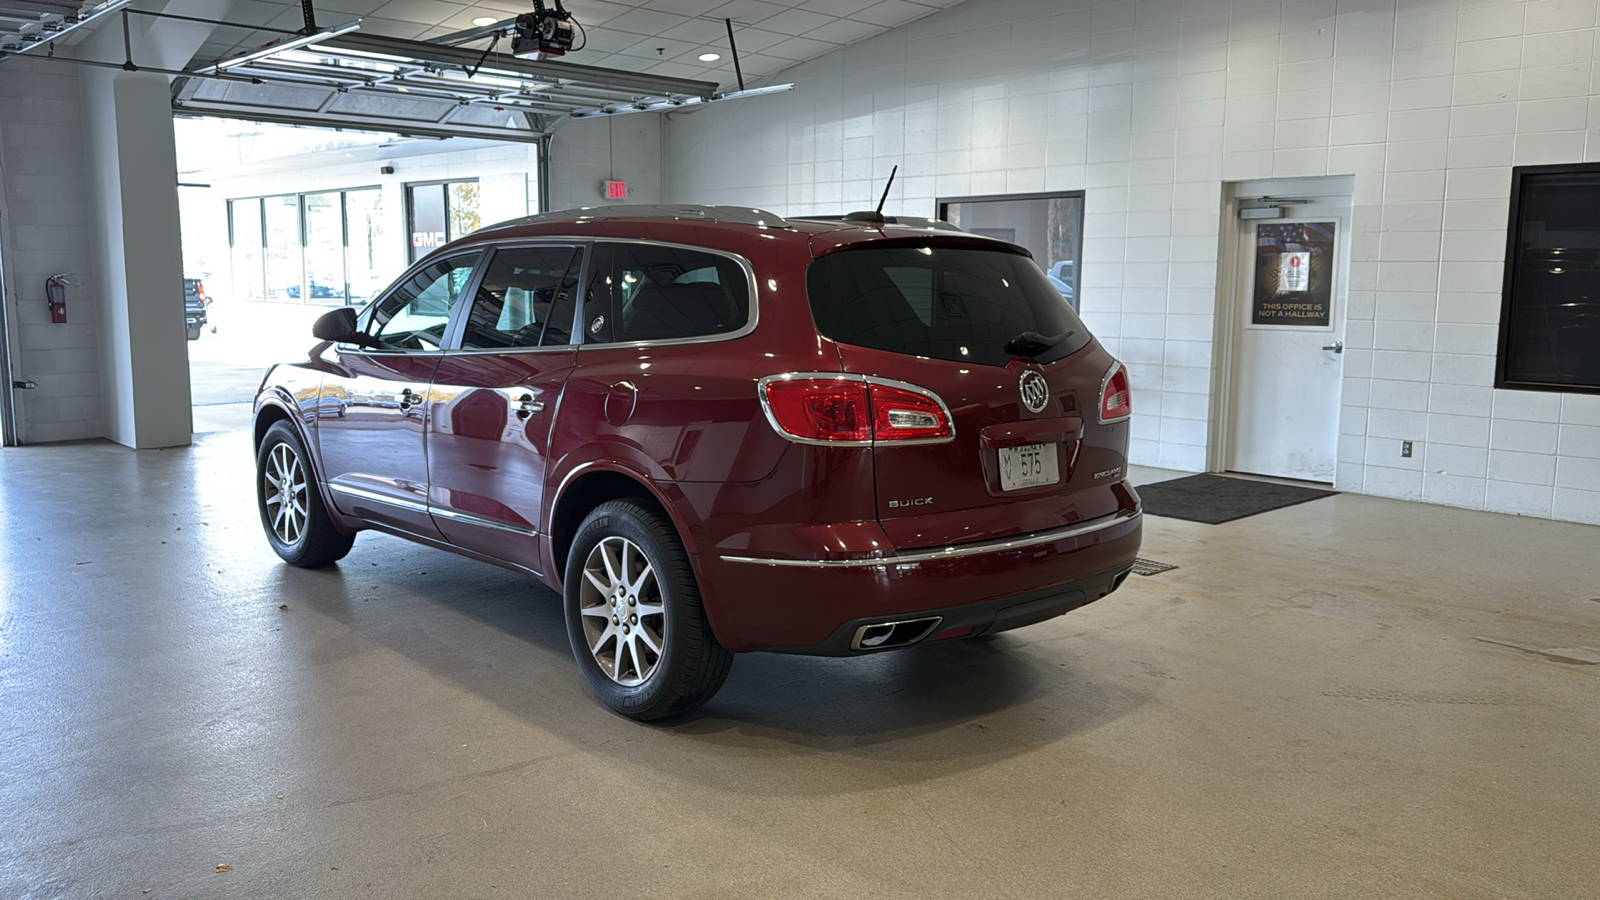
{"x": 1049, "y": 225}
{"x": 438, "y": 212}
{"x": 650, "y": 292}
{"x": 1550, "y": 308}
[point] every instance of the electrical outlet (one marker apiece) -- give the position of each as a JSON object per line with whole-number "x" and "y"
{"x": 1405, "y": 449}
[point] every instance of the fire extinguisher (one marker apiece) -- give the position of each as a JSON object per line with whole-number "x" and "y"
{"x": 55, "y": 291}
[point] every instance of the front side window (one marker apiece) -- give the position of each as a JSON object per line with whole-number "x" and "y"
{"x": 414, "y": 315}
{"x": 525, "y": 299}
{"x": 1550, "y": 313}
{"x": 646, "y": 292}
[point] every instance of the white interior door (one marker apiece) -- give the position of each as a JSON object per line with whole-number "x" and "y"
{"x": 1289, "y": 343}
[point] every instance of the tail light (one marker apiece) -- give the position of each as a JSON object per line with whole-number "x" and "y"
{"x": 853, "y": 411}
{"x": 1115, "y": 402}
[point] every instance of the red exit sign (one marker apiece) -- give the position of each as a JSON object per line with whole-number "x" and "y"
{"x": 616, "y": 190}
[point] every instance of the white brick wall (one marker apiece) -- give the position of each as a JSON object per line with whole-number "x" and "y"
{"x": 1148, "y": 106}
{"x": 589, "y": 152}
{"x": 47, "y": 232}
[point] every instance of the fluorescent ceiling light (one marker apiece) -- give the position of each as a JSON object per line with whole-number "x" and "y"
{"x": 280, "y": 46}
{"x": 710, "y": 57}
{"x": 484, "y": 20}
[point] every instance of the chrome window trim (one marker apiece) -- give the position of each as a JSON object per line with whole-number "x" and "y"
{"x": 953, "y": 552}
{"x": 744, "y": 265}
{"x": 470, "y": 519}
{"x": 766, "y": 408}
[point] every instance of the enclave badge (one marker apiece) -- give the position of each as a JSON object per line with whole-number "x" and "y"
{"x": 1035, "y": 391}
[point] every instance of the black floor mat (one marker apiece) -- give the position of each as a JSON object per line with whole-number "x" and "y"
{"x": 1214, "y": 499}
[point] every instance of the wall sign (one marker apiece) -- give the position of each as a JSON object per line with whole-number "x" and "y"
{"x": 616, "y": 190}
{"x": 1294, "y": 274}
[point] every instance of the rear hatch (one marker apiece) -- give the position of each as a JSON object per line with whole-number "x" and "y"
{"x": 1021, "y": 379}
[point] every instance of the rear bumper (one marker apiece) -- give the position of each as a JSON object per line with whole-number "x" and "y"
{"x": 972, "y": 619}
{"x": 817, "y": 606}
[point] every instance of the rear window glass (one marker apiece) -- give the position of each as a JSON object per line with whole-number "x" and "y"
{"x": 955, "y": 303}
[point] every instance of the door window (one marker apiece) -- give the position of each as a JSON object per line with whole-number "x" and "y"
{"x": 645, "y": 292}
{"x": 525, "y": 300}
{"x": 415, "y": 314}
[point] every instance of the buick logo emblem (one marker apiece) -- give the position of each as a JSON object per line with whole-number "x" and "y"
{"x": 1035, "y": 392}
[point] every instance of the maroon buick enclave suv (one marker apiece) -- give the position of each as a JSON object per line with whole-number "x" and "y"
{"x": 717, "y": 430}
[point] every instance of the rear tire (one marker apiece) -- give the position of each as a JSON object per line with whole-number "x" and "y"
{"x": 296, "y": 522}
{"x": 634, "y": 615}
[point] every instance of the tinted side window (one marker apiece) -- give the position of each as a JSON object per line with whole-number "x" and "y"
{"x": 956, "y": 303}
{"x": 525, "y": 299}
{"x": 414, "y": 315}
{"x": 642, "y": 292}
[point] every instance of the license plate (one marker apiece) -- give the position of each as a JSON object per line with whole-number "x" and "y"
{"x": 1028, "y": 466}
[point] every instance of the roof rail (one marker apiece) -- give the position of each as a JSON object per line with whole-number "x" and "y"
{"x": 868, "y": 218}
{"x": 734, "y": 215}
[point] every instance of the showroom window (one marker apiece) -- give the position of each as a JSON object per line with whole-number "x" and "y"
{"x": 1049, "y": 225}
{"x": 438, "y": 213}
{"x": 322, "y": 248}
{"x": 1550, "y": 310}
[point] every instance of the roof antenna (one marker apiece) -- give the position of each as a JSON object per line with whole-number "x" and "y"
{"x": 876, "y": 216}
{"x": 879, "y": 211}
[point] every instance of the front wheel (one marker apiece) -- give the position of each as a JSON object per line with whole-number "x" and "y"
{"x": 297, "y": 524}
{"x": 634, "y": 616}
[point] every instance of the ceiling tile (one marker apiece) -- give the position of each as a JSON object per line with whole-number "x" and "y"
{"x": 835, "y": 7}
{"x": 747, "y": 12}
{"x": 701, "y": 31}
{"x": 679, "y": 70}
{"x": 333, "y": 8}
{"x": 590, "y": 14}
{"x": 799, "y": 49}
{"x": 751, "y": 40}
{"x": 423, "y": 12}
{"x": 646, "y": 49}
{"x": 796, "y": 22}
{"x": 681, "y": 7}
{"x": 844, "y": 31}
{"x": 644, "y": 21}
{"x": 892, "y": 12}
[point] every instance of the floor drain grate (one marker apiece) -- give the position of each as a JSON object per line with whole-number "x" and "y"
{"x": 1142, "y": 566}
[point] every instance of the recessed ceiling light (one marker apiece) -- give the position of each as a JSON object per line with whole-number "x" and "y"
{"x": 710, "y": 57}
{"x": 484, "y": 20}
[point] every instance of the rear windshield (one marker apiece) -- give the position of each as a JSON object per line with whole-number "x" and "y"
{"x": 956, "y": 303}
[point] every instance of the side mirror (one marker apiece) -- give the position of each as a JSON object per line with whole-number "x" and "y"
{"x": 337, "y": 325}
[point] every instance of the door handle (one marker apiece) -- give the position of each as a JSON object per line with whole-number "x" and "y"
{"x": 527, "y": 406}
{"x": 1336, "y": 346}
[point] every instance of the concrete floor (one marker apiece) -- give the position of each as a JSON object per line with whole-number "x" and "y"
{"x": 1353, "y": 697}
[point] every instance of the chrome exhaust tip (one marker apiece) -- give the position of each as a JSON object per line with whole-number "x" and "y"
{"x": 887, "y": 635}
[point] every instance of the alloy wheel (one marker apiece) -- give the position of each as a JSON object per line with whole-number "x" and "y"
{"x": 284, "y": 494}
{"x": 624, "y": 619}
